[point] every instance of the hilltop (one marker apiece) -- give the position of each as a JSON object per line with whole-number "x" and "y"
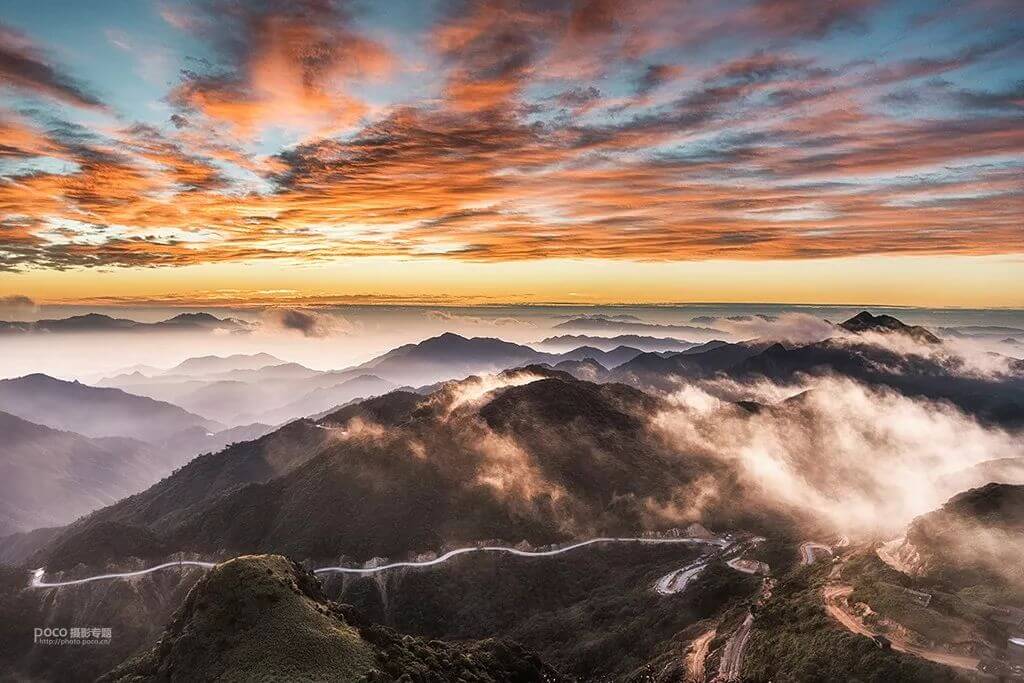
{"x": 265, "y": 618}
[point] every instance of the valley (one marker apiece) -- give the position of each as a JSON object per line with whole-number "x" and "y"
{"x": 548, "y": 512}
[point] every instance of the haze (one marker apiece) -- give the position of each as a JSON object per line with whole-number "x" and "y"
{"x": 540, "y": 341}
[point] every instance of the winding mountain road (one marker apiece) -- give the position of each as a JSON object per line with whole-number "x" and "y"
{"x": 697, "y": 655}
{"x": 38, "y": 575}
{"x": 730, "y": 667}
{"x": 808, "y": 549}
{"x": 677, "y": 581}
{"x": 835, "y": 597}
{"x": 730, "y": 549}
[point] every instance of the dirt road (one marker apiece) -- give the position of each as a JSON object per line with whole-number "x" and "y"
{"x": 835, "y": 597}
{"x": 697, "y": 655}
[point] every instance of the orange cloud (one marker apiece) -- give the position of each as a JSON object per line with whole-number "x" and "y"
{"x": 286, "y": 64}
{"x": 513, "y": 152}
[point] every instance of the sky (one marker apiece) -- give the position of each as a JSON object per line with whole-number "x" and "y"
{"x": 220, "y": 152}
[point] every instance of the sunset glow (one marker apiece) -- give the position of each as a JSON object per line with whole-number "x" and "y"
{"x": 485, "y": 152}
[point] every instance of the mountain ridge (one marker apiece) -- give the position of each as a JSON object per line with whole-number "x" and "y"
{"x": 98, "y": 322}
{"x": 96, "y": 411}
{"x": 264, "y": 617}
{"x": 50, "y": 477}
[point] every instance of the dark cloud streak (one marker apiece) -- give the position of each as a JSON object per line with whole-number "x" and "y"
{"x": 25, "y": 67}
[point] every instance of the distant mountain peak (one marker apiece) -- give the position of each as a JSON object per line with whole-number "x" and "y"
{"x": 38, "y": 378}
{"x": 99, "y": 322}
{"x": 441, "y": 340}
{"x": 867, "y": 322}
{"x": 195, "y": 317}
{"x": 588, "y": 349}
{"x": 202, "y": 320}
{"x": 90, "y": 316}
{"x": 238, "y": 361}
{"x": 448, "y": 336}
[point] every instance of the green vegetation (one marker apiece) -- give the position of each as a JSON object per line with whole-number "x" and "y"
{"x": 254, "y": 619}
{"x": 779, "y": 551}
{"x": 135, "y": 610}
{"x": 948, "y": 617}
{"x": 103, "y": 540}
{"x": 263, "y": 618}
{"x": 592, "y": 613}
{"x": 19, "y": 612}
{"x": 993, "y": 593}
{"x": 404, "y": 658}
{"x": 793, "y": 639}
{"x": 974, "y": 543}
{"x": 895, "y": 603}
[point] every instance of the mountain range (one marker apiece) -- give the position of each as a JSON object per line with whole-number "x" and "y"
{"x": 540, "y": 460}
{"x": 69, "y": 448}
{"x": 239, "y": 390}
{"x": 555, "y": 449}
{"x": 49, "y": 477}
{"x": 270, "y": 394}
{"x": 618, "y": 325}
{"x": 96, "y": 411}
{"x": 96, "y": 322}
{"x": 103, "y": 412}
{"x": 567, "y": 342}
{"x": 574, "y": 445}
{"x": 931, "y": 371}
{"x": 206, "y": 365}
{"x": 265, "y": 618}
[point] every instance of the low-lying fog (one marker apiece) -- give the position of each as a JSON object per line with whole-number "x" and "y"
{"x": 336, "y": 337}
{"x": 860, "y": 460}
{"x": 857, "y": 459}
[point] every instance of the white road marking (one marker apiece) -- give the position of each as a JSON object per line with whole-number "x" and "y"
{"x": 677, "y": 581}
{"x": 807, "y": 549}
{"x": 38, "y": 582}
{"x": 37, "y": 575}
{"x": 512, "y": 551}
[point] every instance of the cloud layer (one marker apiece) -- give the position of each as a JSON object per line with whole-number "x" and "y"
{"x": 747, "y": 129}
{"x": 851, "y": 458}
